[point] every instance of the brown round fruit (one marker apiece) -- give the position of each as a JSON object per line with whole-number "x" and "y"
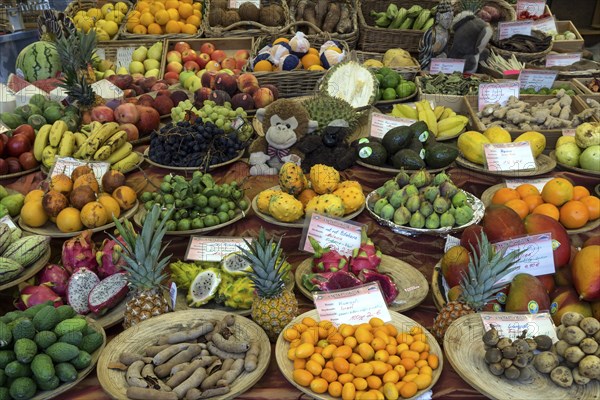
{"x": 81, "y": 196}
{"x": 87, "y": 180}
{"x": 61, "y": 183}
{"x": 93, "y": 215}
{"x": 111, "y": 180}
{"x": 54, "y": 202}
{"x": 81, "y": 170}
{"x": 125, "y": 196}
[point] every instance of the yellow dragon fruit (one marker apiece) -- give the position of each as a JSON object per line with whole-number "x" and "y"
{"x": 264, "y": 197}
{"x": 346, "y": 184}
{"x": 285, "y": 207}
{"x": 239, "y": 293}
{"x": 327, "y": 204}
{"x": 324, "y": 179}
{"x": 352, "y": 197}
{"x": 292, "y": 179}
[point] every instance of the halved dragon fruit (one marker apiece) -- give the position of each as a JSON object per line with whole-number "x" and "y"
{"x": 56, "y": 277}
{"x": 79, "y": 252}
{"x": 108, "y": 293}
{"x": 32, "y": 295}
{"x": 388, "y": 287}
{"x": 109, "y": 258}
{"x": 327, "y": 260}
{"x": 326, "y": 281}
{"x": 81, "y": 284}
{"x": 366, "y": 256}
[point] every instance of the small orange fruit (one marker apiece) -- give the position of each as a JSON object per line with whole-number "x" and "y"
{"x": 193, "y": 20}
{"x": 185, "y": 10}
{"x": 574, "y": 214}
{"x": 593, "y": 205}
{"x": 172, "y": 27}
{"x": 309, "y": 60}
{"x": 519, "y": 206}
{"x": 140, "y": 30}
{"x": 547, "y": 209}
{"x": 155, "y": 29}
{"x": 162, "y": 17}
{"x": 505, "y": 194}
{"x": 533, "y": 201}
{"x": 281, "y": 40}
{"x": 527, "y": 189}
{"x": 146, "y": 19}
{"x": 262, "y": 66}
{"x": 579, "y": 192}
{"x": 173, "y": 14}
{"x": 557, "y": 191}
{"x": 189, "y": 29}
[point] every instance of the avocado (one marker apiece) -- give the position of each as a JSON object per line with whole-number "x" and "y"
{"x": 416, "y": 146}
{"x": 440, "y": 155}
{"x": 397, "y": 138}
{"x": 372, "y": 153}
{"x": 407, "y": 158}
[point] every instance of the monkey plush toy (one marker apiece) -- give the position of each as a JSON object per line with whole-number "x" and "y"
{"x": 284, "y": 123}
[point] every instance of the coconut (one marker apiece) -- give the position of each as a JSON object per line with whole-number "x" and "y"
{"x": 231, "y": 17}
{"x": 249, "y": 12}
{"x": 216, "y": 16}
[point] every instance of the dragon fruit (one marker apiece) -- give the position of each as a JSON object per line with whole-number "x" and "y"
{"x": 32, "y": 295}
{"x": 388, "y": 287}
{"x": 109, "y": 258}
{"x": 108, "y": 293}
{"x": 366, "y": 256}
{"x": 327, "y": 260}
{"x": 81, "y": 284}
{"x": 79, "y": 252}
{"x": 56, "y": 277}
{"x": 330, "y": 281}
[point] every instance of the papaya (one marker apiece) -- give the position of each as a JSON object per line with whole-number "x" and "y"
{"x": 470, "y": 144}
{"x": 536, "y": 140}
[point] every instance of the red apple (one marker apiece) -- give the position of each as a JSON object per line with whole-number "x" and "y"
{"x": 240, "y": 64}
{"x": 174, "y": 55}
{"x": 181, "y": 46}
{"x": 172, "y": 75}
{"x": 18, "y": 145}
{"x": 242, "y": 55}
{"x": 202, "y": 60}
{"x": 208, "y": 79}
{"x": 229, "y": 63}
{"x": 218, "y": 55}
{"x": 207, "y": 48}
{"x": 191, "y": 66}
{"x": 27, "y": 160}
{"x": 1, "y": 148}
{"x": 102, "y": 114}
{"x": 175, "y": 66}
{"x": 3, "y": 166}
{"x": 188, "y": 55}
{"x": 213, "y": 66}
{"x": 26, "y": 130}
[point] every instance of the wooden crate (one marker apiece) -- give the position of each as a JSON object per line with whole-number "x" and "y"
{"x": 582, "y": 85}
{"x": 569, "y": 84}
{"x": 119, "y": 51}
{"x": 567, "y": 46}
{"x": 446, "y": 98}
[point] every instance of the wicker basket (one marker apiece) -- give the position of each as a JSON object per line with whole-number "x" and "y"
{"x": 246, "y": 28}
{"x": 83, "y": 5}
{"x": 523, "y": 57}
{"x": 507, "y": 11}
{"x": 408, "y": 73}
{"x": 350, "y": 38}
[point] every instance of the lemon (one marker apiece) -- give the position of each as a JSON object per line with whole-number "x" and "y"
{"x": 111, "y": 28}
{"x": 108, "y": 7}
{"x": 102, "y": 35}
{"x": 120, "y": 6}
{"x": 85, "y": 24}
{"x": 94, "y": 13}
{"x": 116, "y": 16}
{"x": 100, "y": 23}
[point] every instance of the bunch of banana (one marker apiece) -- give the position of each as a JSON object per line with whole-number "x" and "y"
{"x": 441, "y": 121}
{"x": 416, "y": 18}
{"x": 53, "y": 140}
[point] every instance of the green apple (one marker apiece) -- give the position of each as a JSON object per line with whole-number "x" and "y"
{"x": 192, "y": 83}
{"x": 153, "y": 72}
{"x": 227, "y": 71}
{"x": 136, "y": 67}
{"x": 140, "y": 54}
{"x": 183, "y": 75}
{"x": 150, "y": 63}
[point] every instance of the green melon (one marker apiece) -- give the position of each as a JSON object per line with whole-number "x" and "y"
{"x": 37, "y": 61}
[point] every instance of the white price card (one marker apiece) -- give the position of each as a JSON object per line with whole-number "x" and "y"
{"x": 535, "y": 8}
{"x": 124, "y": 55}
{"x": 546, "y": 25}
{"x": 509, "y": 29}
{"x": 352, "y": 306}
{"x": 100, "y": 53}
{"x": 66, "y": 165}
{"x": 512, "y": 325}
{"x": 173, "y": 295}
{"x": 560, "y": 60}
{"x": 569, "y": 132}
{"x": 537, "y": 79}
{"x": 342, "y": 236}
{"x": 381, "y": 123}
{"x": 537, "y": 182}
{"x": 237, "y": 3}
{"x": 451, "y": 241}
{"x": 538, "y": 258}
{"x": 212, "y": 248}
{"x": 8, "y": 221}
{"x": 516, "y": 156}
{"x": 446, "y": 65}
{"x": 492, "y": 93}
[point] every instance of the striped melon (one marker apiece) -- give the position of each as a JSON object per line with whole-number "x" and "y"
{"x": 39, "y": 60}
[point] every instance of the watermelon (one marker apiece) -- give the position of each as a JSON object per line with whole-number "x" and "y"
{"x": 39, "y": 60}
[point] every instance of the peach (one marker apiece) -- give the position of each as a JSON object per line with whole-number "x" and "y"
{"x": 132, "y": 131}
{"x": 127, "y": 113}
{"x": 149, "y": 120}
{"x": 121, "y": 81}
{"x": 229, "y": 63}
{"x": 200, "y": 95}
{"x": 159, "y": 87}
{"x": 174, "y": 55}
{"x": 102, "y": 114}
{"x": 174, "y": 66}
{"x": 207, "y": 48}
{"x": 172, "y": 80}
{"x": 145, "y": 100}
{"x": 218, "y": 55}
{"x": 243, "y": 100}
{"x": 181, "y": 46}
{"x": 226, "y": 83}
{"x": 240, "y": 64}
{"x": 247, "y": 83}
{"x": 242, "y": 54}
{"x": 263, "y": 97}
{"x": 273, "y": 89}
{"x": 163, "y": 105}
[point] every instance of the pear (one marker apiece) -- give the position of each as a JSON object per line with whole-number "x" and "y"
{"x": 152, "y": 73}
{"x": 99, "y": 75}
{"x": 155, "y": 51}
{"x": 105, "y": 65}
{"x": 140, "y": 54}
{"x": 136, "y": 67}
{"x": 150, "y": 64}
{"x": 122, "y": 71}
{"x": 108, "y": 73}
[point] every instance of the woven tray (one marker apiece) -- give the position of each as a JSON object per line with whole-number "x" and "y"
{"x": 245, "y": 28}
{"x": 83, "y": 5}
{"x": 523, "y": 57}
{"x": 408, "y": 73}
{"x": 351, "y": 38}
{"x": 507, "y": 11}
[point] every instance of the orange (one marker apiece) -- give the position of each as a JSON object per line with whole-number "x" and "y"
{"x": 156, "y": 6}
{"x": 574, "y": 214}
{"x": 409, "y": 389}
{"x": 173, "y": 14}
{"x": 527, "y": 189}
{"x": 281, "y": 40}
{"x": 557, "y": 191}
{"x": 162, "y": 17}
{"x": 505, "y": 194}
{"x": 171, "y": 4}
{"x": 519, "y": 206}
{"x": 172, "y": 27}
{"x": 316, "y": 68}
{"x": 155, "y": 29}
{"x": 131, "y": 23}
{"x": 140, "y": 30}
{"x": 263, "y": 66}
{"x": 533, "y": 201}
{"x": 309, "y": 60}
{"x": 593, "y": 205}
{"x": 146, "y": 19}
{"x": 185, "y": 10}
{"x": 312, "y": 50}
{"x": 193, "y": 20}
{"x": 547, "y": 209}
{"x": 579, "y": 192}
{"x": 189, "y": 29}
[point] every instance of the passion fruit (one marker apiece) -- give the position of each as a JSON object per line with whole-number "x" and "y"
{"x": 81, "y": 170}
{"x": 54, "y": 202}
{"x": 81, "y": 196}
{"x": 93, "y": 215}
{"x": 33, "y": 214}
{"x": 87, "y": 180}
{"x": 125, "y": 196}
{"x": 111, "y": 180}
{"x": 61, "y": 183}
{"x": 111, "y": 205}
{"x": 68, "y": 220}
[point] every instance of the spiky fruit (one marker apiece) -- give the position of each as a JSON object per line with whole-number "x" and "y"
{"x": 292, "y": 179}
{"x": 324, "y": 179}
{"x": 285, "y": 207}
{"x": 79, "y": 252}
{"x": 325, "y": 259}
{"x": 324, "y": 109}
{"x": 109, "y": 258}
{"x": 264, "y": 199}
{"x": 239, "y": 294}
{"x": 204, "y": 287}
{"x": 56, "y": 276}
{"x": 327, "y": 204}
{"x": 352, "y": 197}
{"x": 108, "y": 293}
{"x": 336, "y": 81}
{"x": 81, "y": 284}
{"x": 183, "y": 274}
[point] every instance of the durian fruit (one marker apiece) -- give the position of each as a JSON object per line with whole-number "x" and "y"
{"x": 249, "y": 12}
{"x": 324, "y": 109}
{"x": 351, "y": 82}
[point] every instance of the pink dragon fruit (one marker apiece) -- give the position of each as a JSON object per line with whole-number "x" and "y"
{"x": 81, "y": 284}
{"x": 327, "y": 260}
{"x": 388, "y": 287}
{"x": 366, "y": 256}
{"x": 109, "y": 258}
{"x": 32, "y": 295}
{"x": 56, "y": 277}
{"x": 79, "y": 252}
{"x": 326, "y": 281}
{"x": 108, "y": 293}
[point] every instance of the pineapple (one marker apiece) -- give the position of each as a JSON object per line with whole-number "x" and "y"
{"x": 274, "y": 306}
{"x": 145, "y": 271}
{"x": 478, "y": 288}
{"x": 470, "y": 5}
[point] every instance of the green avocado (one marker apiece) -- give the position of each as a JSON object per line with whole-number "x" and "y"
{"x": 407, "y": 158}
{"x": 372, "y": 153}
{"x": 440, "y": 155}
{"x": 397, "y": 138}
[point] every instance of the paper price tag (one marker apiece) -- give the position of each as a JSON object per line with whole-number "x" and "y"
{"x": 101, "y": 53}
{"x": 508, "y": 29}
{"x": 509, "y": 156}
{"x": 381, "y": 123}
{"x": 173, "y": 295}
{"x": 569, "y": 132}
{"x": 492, "y": 93}
{"x": 560, "y": 60}
{"x": 530, "y": 78}
{"x": 446, "y": 65}
{"x": 538, "y": 258}
{"x": 237, "y": 3}
{"x": 66, "y": 165}
{"x": 538, "y": 183}
{"x": 211, "y": 248}
{"x": 352, "y": 306}
{"x": 533, "y": 7}
{"x": 343, "y": 236}
{"x": 451, "y": 241}
{"x": 512, "y": 325}
{"x": 124, "y": 55}
{"x": 8, "y": 221}
{"x": 546, "y": 25}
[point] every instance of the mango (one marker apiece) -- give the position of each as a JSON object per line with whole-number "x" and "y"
{"x": 497, "y": 134}
{"x": 469, "y": 238}
{"x": 563, "y": 277}
{"x": 470, "y": 144}
{"x": 502, "y": 223}
{"x": 538, "y": 223}
{"x": 527, "y": 294}
{"x": 548, "y": 282}
{"x": 454, "y": 263}
{"x": 3, "y": 192}
{"x": 596, "y": 309}
{"x": 586, "y": 276}
{"x": 566, "y": 299}
{"x": 536, "y": 140}
{"x": 592, "y": 241}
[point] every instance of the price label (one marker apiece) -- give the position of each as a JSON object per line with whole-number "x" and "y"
{"x": 537, "y": 79}
{"x": 451, "y": 241}
{"x": 352, "y": 306}
{"x": 497, "y": 93}
{"x": 569, "y": 132}
{"x": 173, "y": 295}
{"x": 509, "y": 156}
{"x": 343, "y": 236}
{"x": 538, "y": 258}
{"x": 546, "y": 25}
{"x": 535, "y": 8}
{"x": 66, "y": 165}
{"x": 512, "y": 325}
{"x": 124, "y": 55}
{"x": 560, "y": 60}
{"x": 508, "y": 29}
{"x": 446, "y": 65}
{"x": 211, "y": 248}
{"x": 538, "y": 183}
{"x": 237, "y": 3}
{"x": 100, "y": 53}
{"x": 8, "y": 221}
{"x": 382, "y": 123}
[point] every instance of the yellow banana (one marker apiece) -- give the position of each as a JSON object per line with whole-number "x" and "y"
{"x": 438, "y": 111}
{"x": 48, "y": 156}
{"x": 41, "y": 141}
{"x": 452, "y": 126}
{"x": 103, "y": 153}
{"x": 96, "y": 139}
{"x": 80, "y": 139}
{"x": 446, "y": 114}
{"x": 404, "y": 111}
{"x": 120, "y": 153}
{"x": 116, "y": 140}
{"x": 67, "y": 143}
{"x": 426, "y": 115}
{"x": 58, "y": 129}
{"x": 127, "y": 163}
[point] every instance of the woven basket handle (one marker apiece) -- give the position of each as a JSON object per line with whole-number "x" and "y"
{"x": 306, "y": 23}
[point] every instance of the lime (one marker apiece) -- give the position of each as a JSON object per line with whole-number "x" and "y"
{"x": 171, "y": 225}
{"x": 214, "y": 201}
{"x": 165, "y": 187}
{"x": 389, "y": 94}
{"x": 208, "y": 210}
{"x": 145, "y": 197}
{"x": 197, "y": 223}
{"x": 405, "y": 89}
{"x": 379, "y": 77}
{"x": 391, "y": 80}
{"x": 385, "y": 70}
{"x": 200, "y": 200}
{"x": 223, "y": 217}
{"x": 223, "y": 207}
{"x": 184, "y": 225}
{"x": 243, "y": 204}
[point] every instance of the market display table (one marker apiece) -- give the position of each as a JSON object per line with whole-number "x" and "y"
{"x": 421, "y": 252}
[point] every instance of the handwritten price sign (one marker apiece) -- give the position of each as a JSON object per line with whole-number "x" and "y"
{"x": 446, "y": 65}
{"x": 342, "y": 236}
{"x": 508, "y": 156}
{"x": 492, "y": 93}
{"x": 512, "y": 325}
{"x": 66, "y": 165}
{"x": 381, "y": 124}
{"x": 538, "y": 258}
{"x": 210, "y": 248}
{"x": 536, "y": 79}
{"x": 509, "y": 29}
{"x": 533, "y": 7}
